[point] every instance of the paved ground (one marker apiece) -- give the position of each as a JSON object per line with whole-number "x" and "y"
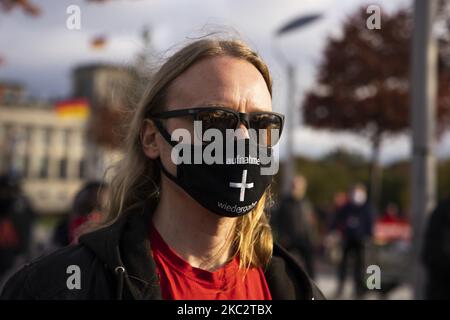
{"x": 327, "y": 283}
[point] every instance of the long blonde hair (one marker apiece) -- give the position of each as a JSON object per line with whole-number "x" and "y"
{"x": 136, "y": 179}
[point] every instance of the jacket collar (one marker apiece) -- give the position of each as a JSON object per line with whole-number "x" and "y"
{"x": 125, "y": 244}
{"x": 286, "y": 278}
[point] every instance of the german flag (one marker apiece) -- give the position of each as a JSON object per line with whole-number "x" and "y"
{"x": 73, "y": 108}
{"x": 98, "y": 42}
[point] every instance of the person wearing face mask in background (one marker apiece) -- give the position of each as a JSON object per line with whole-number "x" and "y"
{"x": 354, "y": 223}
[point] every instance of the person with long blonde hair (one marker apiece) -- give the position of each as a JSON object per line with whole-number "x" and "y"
{"x": 185, "y": 229}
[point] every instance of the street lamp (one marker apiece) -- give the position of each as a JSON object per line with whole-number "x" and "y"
{"x": 423, "y": 117}
{"x": 295, "y": 24}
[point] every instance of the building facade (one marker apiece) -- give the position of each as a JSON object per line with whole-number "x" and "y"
{"x": 46, "y": 152}
{"x": 51, "y": 152}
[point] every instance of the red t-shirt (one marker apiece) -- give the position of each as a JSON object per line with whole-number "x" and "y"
{"x": 180, "y": 281}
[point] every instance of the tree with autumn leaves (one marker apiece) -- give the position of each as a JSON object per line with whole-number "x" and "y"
{"x": 363, "y": 83}
{"x": 27, "y": 6}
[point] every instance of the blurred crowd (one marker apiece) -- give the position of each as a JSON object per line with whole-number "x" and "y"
{"x": 17, "y": 222}
{"x": 352, "y": 234}
{"x": 346, "y": 237}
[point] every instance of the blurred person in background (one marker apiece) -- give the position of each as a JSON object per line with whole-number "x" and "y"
{"x": 391, "y": 226}
{"x": 354, "y": 222}
{"x": 391, "y": 214}
{"x": 184, "y": 231}
{"x": 340, "y": 199}
{"x": 391, "y": 248}
{"x": 436, "y": 253}
{"x": 295, "y": 224}
{"x": 87, "y": 207}
{"x": 332, "y": 239}
{"x": 16, "y": 221}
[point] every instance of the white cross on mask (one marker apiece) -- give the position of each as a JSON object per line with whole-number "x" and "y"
{"x": 243, "y": 185}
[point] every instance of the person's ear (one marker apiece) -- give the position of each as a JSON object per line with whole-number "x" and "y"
{"x": 150, "y": 143}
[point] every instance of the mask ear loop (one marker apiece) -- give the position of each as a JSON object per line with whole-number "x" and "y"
{"x": 164, "y": 133}
{"x": 167, "y": 137}
{"x": 167, "y": 173}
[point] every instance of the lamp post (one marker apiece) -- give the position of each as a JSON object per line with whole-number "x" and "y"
{"x": 423, "y": 117}
{"x": 295, "y": 24}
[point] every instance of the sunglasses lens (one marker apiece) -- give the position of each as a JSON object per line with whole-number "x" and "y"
{"x": 217, "y": 119}
{"x": 266, "y": 128}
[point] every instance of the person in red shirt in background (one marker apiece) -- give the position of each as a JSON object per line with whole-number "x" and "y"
{"x": 16, "y": 223}
{"x": 391, "y": 226}
{"x": 88, "y": 205}
{"x": 391, "y": 248}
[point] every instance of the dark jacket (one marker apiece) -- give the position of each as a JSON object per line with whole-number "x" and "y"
{"x": 354, "y": 222}
{"x": 116, "y": 263}
{"x": 16, "y": 216}
{"x": 436, "y": 252}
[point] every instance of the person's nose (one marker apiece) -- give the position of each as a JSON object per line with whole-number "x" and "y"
{"x": 242, "y": 132}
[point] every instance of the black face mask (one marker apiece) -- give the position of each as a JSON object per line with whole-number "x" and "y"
{"x": 231, "y": 188}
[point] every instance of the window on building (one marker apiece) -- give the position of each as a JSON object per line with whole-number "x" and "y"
{"x": 43, "y": 167}
{"x": 28, "y": 135}
{"x": 66, "y": 137}
{"x": 48, "y": 136}
{"x": 26, "y": 165}
{"x": 63, "y": 168}
{"x": 82, "y": 172}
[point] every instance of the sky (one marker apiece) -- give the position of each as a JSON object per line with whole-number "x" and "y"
{"x": 41, "y": 52}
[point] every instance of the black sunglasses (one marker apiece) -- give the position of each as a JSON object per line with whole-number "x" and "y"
{"x": 220, "y": 118}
